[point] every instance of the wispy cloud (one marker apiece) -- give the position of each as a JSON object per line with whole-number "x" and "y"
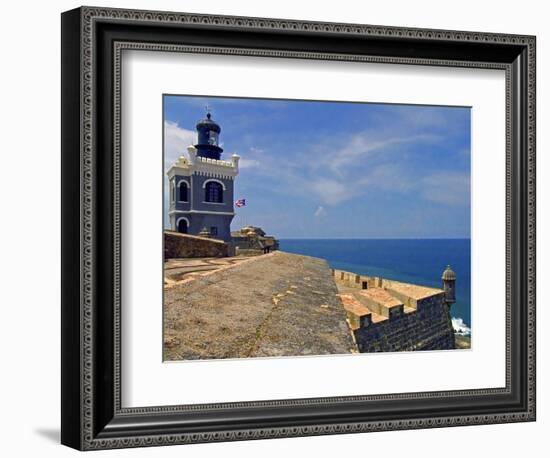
{"x": 391, "y": 176}
{"x": 246, "y": 163}
{"x": 320, "y": 212}
{"x": 360, "y": 146}
{"x": 330, "y": 191}
{"x": 176, "y": 141}
{"x": 312, "y": 159}
{"x": 333, "y": 175}
{"x": 355, "y": 170}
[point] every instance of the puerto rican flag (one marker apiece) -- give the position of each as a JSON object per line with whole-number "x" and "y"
{"x": 240, "y": 203}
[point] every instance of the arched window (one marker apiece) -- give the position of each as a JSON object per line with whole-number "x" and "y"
{"x": 183, "y": 190}
{"x": 183, "y": 227}
{"x": 213, "y": 192}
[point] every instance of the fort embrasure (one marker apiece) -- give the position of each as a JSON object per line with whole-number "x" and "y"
{"x": 387, "y": 315}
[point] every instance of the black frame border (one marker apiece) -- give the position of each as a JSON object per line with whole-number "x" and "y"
{"x": 92, "y": 42}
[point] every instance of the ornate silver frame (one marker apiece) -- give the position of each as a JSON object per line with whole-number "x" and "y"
{"x": 93, "y": 41}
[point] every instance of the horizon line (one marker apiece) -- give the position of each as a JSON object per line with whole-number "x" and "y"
{"x": 364, "y": 238}
{"x": 374, "y": 238}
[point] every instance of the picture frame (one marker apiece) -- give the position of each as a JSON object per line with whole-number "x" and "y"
{"x": 92, "y": 414}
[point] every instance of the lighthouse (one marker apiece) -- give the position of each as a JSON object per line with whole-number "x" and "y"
{"x": 201, "y": 186}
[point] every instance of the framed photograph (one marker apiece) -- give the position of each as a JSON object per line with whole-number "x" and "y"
{"x": 278, "y": 228}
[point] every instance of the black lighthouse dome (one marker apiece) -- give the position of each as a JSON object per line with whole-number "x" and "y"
{"x": 208, "y": 132}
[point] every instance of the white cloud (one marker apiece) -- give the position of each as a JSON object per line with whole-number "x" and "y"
{"x": 245, "y": 163}
{"x": 258, "y": 159}
{"x": 364, "y": 144}
{"x": 320, "y": 211}
{"x": 333, "y": 173}
{"x": 391, "y": 177}
{"x": 176, "y": 141}
{"x": 331, "y": 191}
{"x": 369, "y": 160}
{"x": 364, "y": 165}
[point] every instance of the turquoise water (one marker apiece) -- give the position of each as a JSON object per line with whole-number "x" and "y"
{"x": 419, "y": 261}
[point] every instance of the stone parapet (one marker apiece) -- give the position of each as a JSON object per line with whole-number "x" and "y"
{"x": 177, "y": 245}
{"x": 381, "y": 302}
{"x": 401, "y": 316}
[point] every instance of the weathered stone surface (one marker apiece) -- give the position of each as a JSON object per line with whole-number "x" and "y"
{"x": 462, "y": 342}
{"x": 177, "y": 270}
{"x": 178, "y": 245}
{"x": 402, "y": 317}
{"x": 277, "y": 304}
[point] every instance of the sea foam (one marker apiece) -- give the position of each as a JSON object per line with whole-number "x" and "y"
{"x": 460, "y": 327}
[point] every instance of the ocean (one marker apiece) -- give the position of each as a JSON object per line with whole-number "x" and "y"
{"x": 419, "y": 261}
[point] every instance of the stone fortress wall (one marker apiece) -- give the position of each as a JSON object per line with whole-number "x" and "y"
{"x": 253, "y": 241}
{"x": 177, "y": 245}
{"x": 382, "y": 315}
{"x": 387, "y": 315}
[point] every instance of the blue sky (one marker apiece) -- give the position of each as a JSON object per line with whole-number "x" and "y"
{"x": 338, "y": 170}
